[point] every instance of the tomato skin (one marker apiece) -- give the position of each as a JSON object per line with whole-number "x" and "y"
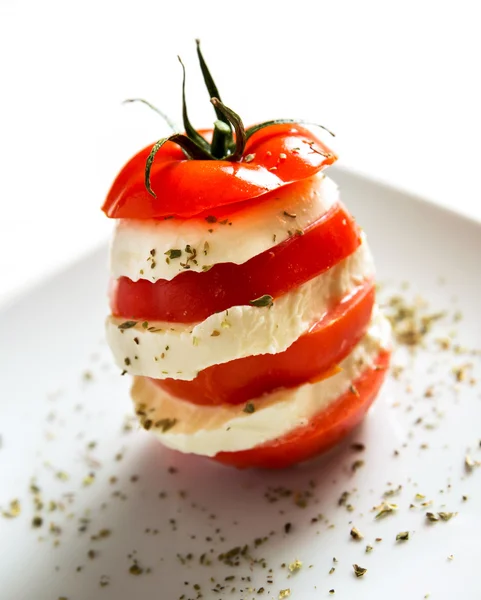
{"x": 314, "y": 353}
{"x": 192, "y": 297}
{"x": 176, "y": 180}
{"x": 325, "y": 430}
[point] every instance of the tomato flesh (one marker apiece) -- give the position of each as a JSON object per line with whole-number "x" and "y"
{"x": 325, "y": 430}
{"x": 192, "y": 297}
{"x": 313, "y": 354}
{"x": 278, "y": 155}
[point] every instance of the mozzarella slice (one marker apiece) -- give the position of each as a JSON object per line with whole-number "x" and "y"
{"x": 141, "y": 249}
{"x": 163, "y": 349}
{"x": 208, "y": 430}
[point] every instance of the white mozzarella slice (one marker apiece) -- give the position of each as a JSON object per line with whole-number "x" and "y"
{"x": 208, "y": 430}
{"x": 143, "y": 249}
{"x": 163, "y": 349}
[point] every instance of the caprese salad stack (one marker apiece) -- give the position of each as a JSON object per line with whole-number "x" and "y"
{"x": 242, "y": 294}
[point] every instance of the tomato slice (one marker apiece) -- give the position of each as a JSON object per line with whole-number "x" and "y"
{"x": 278, "y": 154}
{"x": 192, "y": 297}
{"x": 325, "y": 345}
{"x": 325, "y": 430}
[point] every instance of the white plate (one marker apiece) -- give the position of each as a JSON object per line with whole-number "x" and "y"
{"x": 49, "y": 412}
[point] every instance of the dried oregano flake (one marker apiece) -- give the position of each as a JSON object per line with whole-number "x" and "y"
{"x": 263, "y": 301}
{"x": 356, "y": 534}
{"x": 359, "y": 571}
{"x": 127, "y": 325}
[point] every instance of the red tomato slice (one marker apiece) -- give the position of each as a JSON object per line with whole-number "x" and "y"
{"x": 325, "y": 429}
{"x": 192, "y": 297}
{"x": 326, "y": 344}
{"x": 278, "y": 154}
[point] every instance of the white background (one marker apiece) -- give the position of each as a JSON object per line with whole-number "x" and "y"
{"x": 397, "y": 81}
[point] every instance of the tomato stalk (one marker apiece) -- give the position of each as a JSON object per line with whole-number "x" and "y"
{"x": 191, "y": 132}
{"x": 166, "y": 118}
{"x": 190, "y": 148}
{"x": 222, "y": 136}
{"x": 224, "y": 145}
{"x": 240, "y": 132}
